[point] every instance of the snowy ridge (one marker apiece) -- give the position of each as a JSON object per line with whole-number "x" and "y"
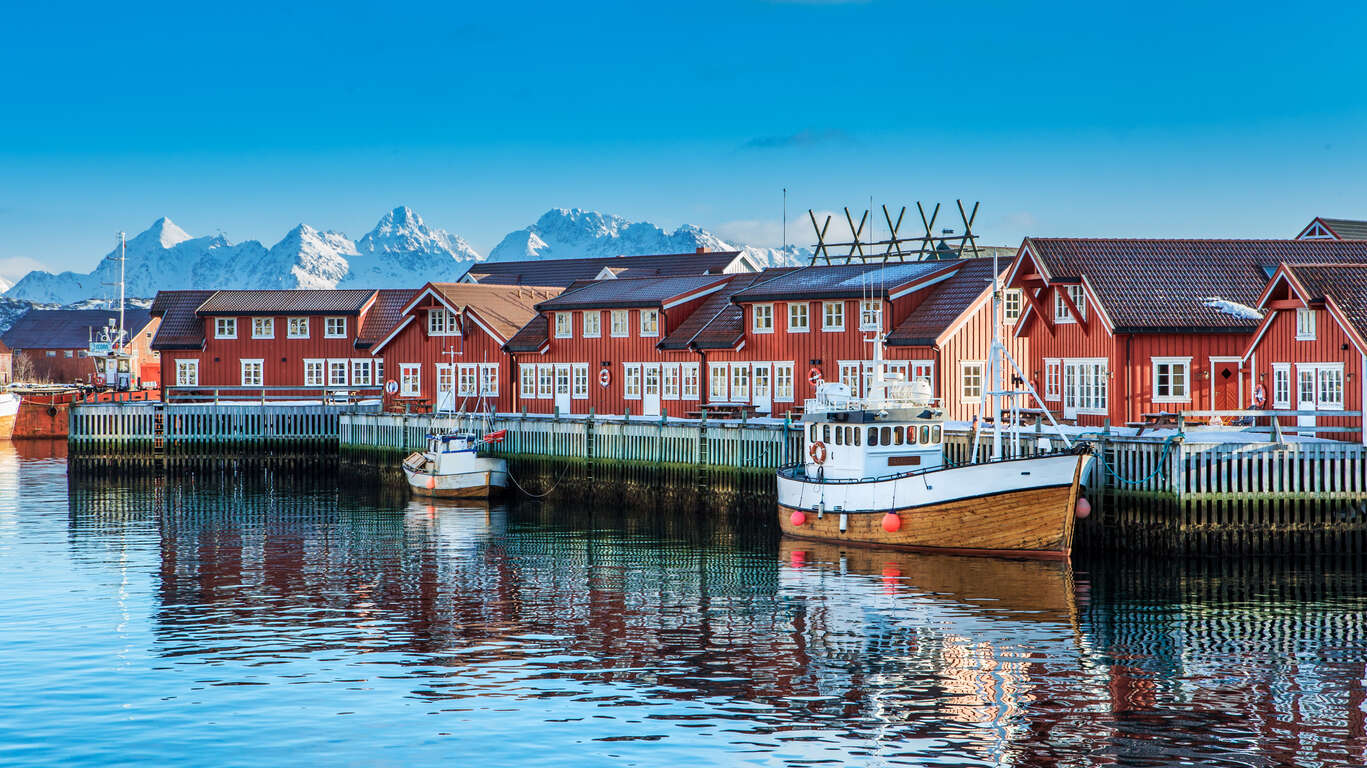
{"x": 1233, "y": 308}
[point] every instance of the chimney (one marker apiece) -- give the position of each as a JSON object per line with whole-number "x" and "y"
{"x": 701, "y": 249}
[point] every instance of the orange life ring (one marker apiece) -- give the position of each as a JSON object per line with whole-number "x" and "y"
{"x": 1259, "y": 397}
{"x": 818, "y": 452}
{"x": 814, "y": 376}
{"x": 605, "y": 377}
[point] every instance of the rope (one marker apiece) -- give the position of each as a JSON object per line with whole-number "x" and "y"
{"x": 1162, "y": 467}
{"x": 548, "y": 490}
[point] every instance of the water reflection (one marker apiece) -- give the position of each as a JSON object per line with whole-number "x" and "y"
{"x": 532, "y": 633}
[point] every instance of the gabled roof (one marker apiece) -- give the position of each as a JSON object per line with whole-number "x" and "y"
{"x": 1341, "y": 229}
{"x": 531, "y": 337}
{"x": 845, "y": 281}
{"x": 1341, "y": 286}
{"x": 69, "y": 328}
{"x": 181, "y": 327}
{"x": 562, "y": 272}
{"x": 346, "y": 302}
{"x": 383, "y": 314}
{"x": 1166, "y": 285}
{"x": 633, "y": 292}
{"x": 718, "y": 322}
{"x": 943, "y": 304}
{"x": 500, "y": 309}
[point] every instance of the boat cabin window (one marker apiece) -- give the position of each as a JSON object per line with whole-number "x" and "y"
{"x": 838, "y": 441}
{"x": 886, "y": 436}
{"x": 856, "y": 431}
{"x": 825, "y": 433}
{"x": 925, "y": 434}
{"x": 813, "y": 431}
{"x": 935, "y": 434}
{"x": 897, "y": 435}
{"x": 873, "y": 436}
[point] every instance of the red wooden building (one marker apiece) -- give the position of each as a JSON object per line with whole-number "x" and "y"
{"x": 244, "y": 343}
{"x": 53, "y": 345}
{"x": 443, "y": 349}
{"x": 1310, "y": 351}
{"x": 1120, "y": 328}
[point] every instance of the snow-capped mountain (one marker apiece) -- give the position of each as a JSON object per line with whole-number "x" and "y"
{"x": 402, "y": 246}
{"x": 573, "y": 233}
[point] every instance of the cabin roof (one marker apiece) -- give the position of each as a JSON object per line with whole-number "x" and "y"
{"x": 181, "y": 326}
{"x": 1343, "y": 284}
{"x": 843, "y": 281}
{"x": 505, "y": 308}
{"x": 1166, "y": 285}
{"x": 631, "y": 292}
{"x": 384, "y": 313}
{"x": 718, "y": 322}
{"x": 562, "y": 272}
{"x": 69, "y": 328}
{"x": 293, "y": 302}
{"x": 943, "y": 304}
{"x": 530, "y": 337}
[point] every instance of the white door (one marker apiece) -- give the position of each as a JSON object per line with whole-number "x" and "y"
{"x": 562, "y": 388}
{"x": 650, "y": 390}
{"x": 1070, "y": 390}
{"x": 761, "y": 387}
{"x": 1305, "y": 395}
{"x": 446, "y": 388}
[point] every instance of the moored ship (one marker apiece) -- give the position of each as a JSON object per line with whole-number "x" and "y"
{"x": 451, "y": 467}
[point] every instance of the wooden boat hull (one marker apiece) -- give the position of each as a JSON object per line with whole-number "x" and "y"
{"x": 1024, "y": 508}
{"x": 484, "y": 482}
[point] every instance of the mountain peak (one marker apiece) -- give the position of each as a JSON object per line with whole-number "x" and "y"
{"x": 163, "y": 231}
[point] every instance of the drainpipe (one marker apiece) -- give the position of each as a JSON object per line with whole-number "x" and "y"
{"x": 1129, "y": 380}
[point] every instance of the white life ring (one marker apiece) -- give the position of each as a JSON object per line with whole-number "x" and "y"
{"x": 818, "y": 452}
{"x": 814, "y": 376}
{"x": 605, "y": 377}
{"x": 392, "y": 387}
{"x": 1259, "y": 397}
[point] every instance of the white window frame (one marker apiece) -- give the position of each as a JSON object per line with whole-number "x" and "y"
{"x": 1013, "y": 304}
{"x": 718, "y": 382}
{"x": 688, "y": 381}
{"x": 980, "y": 369}
{"x": 762, "y": 318}
{"x": 564, "y": 325}
{"x": 526, "y": 374}
{"x": 1079, "y": 296}
{"x": 225, "y": 327}
{"x": 651, "y": 328}
{"x": 545, "y": 381}
{"x": 871, "y": 314}
{"x": 622, "y": 329}
{"x": 922, "y": 369}
{"x": 410, "y": 379}
{"x": 467, "y": 380}
{"x": 1281, "y": 376}
{"x": 361, "y": 371}
{"x": 1053, "y": 379}
{"x": 832, "y": 321}
{"x": 579, "y": 376}
{"x": 263, "y": 327}
{"x": 849, "y": 374}
{"x": 631, "y": 381}
{"x": 1173, "y": 363}
{"x": 805, "y": 315}
{"x": 315, "y": 372}
{"x": 593, "y": 330}
{"x": 293, "y": 325}
{"x": 1317, "y": 373}
{"x": 184, "y": 365}
{"x": 784, "y": 386}
{"x": 740, "y": 382}
{"x": 1099, "y": 369}
{"x": 329, "y": 333}
{"x": 259, "y": 367}
{"x": 1305, "y": 324}
{"x": 339, "y": 365}
{"x": 441, "y": 322}
{"x": 488, "y": 380}
{"x": 670, "y": 381}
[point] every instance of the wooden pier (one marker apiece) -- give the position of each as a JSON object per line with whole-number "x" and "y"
{"x": 160, "y": 429}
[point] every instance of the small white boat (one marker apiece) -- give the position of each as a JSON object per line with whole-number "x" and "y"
{"x": 9, "y": 410}
{"x": 451, "y": 467}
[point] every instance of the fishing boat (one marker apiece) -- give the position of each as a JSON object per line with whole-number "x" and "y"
{"x": 452, "y": 466}
{"x": 9, "y": 411}
{"x": 874, "y": 470}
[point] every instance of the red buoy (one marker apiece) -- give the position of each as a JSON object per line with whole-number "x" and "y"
{"x": 797, "y": 518}
{"x": 892, "y": 523}
{"x": 1084, "y": 508}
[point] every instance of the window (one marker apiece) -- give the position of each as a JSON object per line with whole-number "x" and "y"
{"x": 360, "y": 373}
{"x": 225, "y": 327}
{"x": 1321, "y": 386}
{"x": 581, "y": 379}
{"x": 545, "y": 380}
{"x": 716, "y": 382}
{"x": 783, "y": 382}
{"x": 488, "y": 379}
{"x": 564, "y": 325}
{"x": 1305, "y": 324}
{"x": 798, "y": 322}
{"x": 1011, "y": 305}
{"x": 871, "y": 315}
{"x": 263, "y": 327}
{"x": 740, "y": 382}
{"x": 252, "y": 374}
{"x": 688, "y": 372}
{"x": 334, "y": 327}
{"x": 1085, "y": 384}
{"x": 379, "y": 371}
{"x": 593, "y": 324}
{"x": 631, "y": 381}
{"x": 83, "y": 353}
{"x": 650, "y": 322}
{"x": 761, "y": 382}
{"x": 670, "y": 372}
{"x": 187, "y": 373}
{"x": 619, "y": 322}
{"x": 923, "y": 369}
{"x": 52, "y": 353}
{"x": 1281, "y": 385}
{"x": 337, "y": 373}
{"x": 410, "y": 379}
{"x": 1061, "y": 314}
{"x": 762, "y": 319}
{"x": 1052, "y": 379}
{"x": 440, "y": 322}
{"x": 313, "y": 373}
{"x": 971, "y": 381}
{"x": 446, "y": 385}
{"x": 468, "y": 382}
{"x": 69, "y": 353}
{"x": 832, "y": 315}
{"x": 1172, "y": 379}
{"x": 297, "y": 328}
{"x": 527, "y": 377}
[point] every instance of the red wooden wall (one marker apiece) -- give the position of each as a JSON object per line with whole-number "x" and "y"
{"x": 415, "y": 345}
{"x": 1278, "y": 344}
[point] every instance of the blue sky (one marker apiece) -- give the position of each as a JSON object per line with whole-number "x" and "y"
{"x": 1097, "y": 119}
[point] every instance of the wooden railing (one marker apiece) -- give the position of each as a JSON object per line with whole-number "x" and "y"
{"x": 266, "y": 395}
{"x": 154, "y": 427}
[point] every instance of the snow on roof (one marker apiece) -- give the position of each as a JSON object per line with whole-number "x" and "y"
{"x": 1232, "y": 308}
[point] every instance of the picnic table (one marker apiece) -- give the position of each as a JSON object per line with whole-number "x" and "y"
{"x": 1157, "y": 420}
{"x": 725, "y": 411}
{"x": 1028, "y": 416}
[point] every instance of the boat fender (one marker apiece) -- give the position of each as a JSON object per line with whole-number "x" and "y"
{"x": 818, "y": 452}
{"x": 1084, "y": 508}
{"x": 52, "y": 410}
{"x": 892, "y": 522}
{"x": 798, "y": 518}
{"x": 814, "y": 376}
{"x": 431, "y": 483}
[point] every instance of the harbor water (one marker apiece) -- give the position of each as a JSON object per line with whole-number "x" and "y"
{"x": 259, "y": 613}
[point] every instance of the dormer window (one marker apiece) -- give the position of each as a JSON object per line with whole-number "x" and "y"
{"x": 564, "y": 325}
{"x": 1305, "y": 324}
{"x": 225, "y": 327}
{"x": 650, "y": 322}
{"x": 1079, "y": 299}
{"x": 442, "y": 322}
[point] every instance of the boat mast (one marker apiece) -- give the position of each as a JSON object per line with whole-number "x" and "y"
{"x": 123, "y": 260}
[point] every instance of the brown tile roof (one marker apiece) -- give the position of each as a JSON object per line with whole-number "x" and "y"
{"x": 562, "y": 272}
{"x": 631, "y": 292}
{"x": 849, "y": 281}
{"x": 181, "y": 327}
{"x": 286, "y": 302}
{"x": 1344, "y": 284}
{"x": 505, "y": 308}
{"x": 69, "y": 328}
{"x": 383, "y": 314}
{"x": 1155, "y": 286}
{"x": 718, "y": 323}
{"x": 944, "y": 302}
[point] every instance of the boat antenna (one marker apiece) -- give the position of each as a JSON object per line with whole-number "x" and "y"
{"x": 123, "y": 261}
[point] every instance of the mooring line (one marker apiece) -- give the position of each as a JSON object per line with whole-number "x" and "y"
{"x": 554, "y": 485}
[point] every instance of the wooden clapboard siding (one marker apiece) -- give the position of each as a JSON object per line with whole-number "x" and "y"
{"x": 414, "y": 345}
{"x": 1278, "y": 344}
{"x": 220, "y": 361}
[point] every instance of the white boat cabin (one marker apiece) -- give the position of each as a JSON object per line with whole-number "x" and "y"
{"x": 898, "y": 428}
